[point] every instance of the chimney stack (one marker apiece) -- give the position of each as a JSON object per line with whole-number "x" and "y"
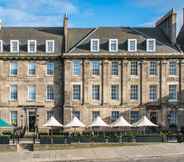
{"x": 167, "y": 24}
{"x": 65, "y": 25}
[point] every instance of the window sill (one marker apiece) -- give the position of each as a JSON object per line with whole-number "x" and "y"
{"x": 172, "y": 100}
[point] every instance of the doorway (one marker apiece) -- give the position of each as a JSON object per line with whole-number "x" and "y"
{"x": 153, "y": 117}
{"x": 32, "y": 121}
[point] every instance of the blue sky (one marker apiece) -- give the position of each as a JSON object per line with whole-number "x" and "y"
{"x": 86, "y": 13}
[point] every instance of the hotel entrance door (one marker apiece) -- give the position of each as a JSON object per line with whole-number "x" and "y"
{"x": 32, "y": 121}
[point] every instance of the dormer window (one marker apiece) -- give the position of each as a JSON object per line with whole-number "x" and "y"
{"x": 50, "y": 44}
{"x": 132, "y": 45}
{"x": 14, "y": 46}
{"x": 32, "y": 46}
{"x": 150, "y": 45}
{"x": 94, "y": 46}
{"x": 1, "y": 46}
{"x": 113, "y": 45}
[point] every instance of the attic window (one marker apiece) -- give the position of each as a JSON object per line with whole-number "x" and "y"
{"x": 113, "y": 45}
{"x": 14, "y": 46}
{"x": 150, "y": 45}
{"x": 132, "y": 45}
{"x": 32, "y": 46}
{"x": 50, "y": 46}
{"x": 94, "y": 46}
{"x": 1, "y": 45}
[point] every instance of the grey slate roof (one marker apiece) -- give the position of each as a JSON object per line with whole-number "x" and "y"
{"x": 41, "y": 34}
{"x": 180, "y": 38}
{"x": 122, "y": 34}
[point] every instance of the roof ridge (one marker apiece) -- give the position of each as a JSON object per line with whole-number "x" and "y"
{"x": 83, "y": 39}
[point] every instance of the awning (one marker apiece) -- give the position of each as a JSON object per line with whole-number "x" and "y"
{"x": 74, "y": 123}
{"x": 98, "y": 122}
{"x": 52, "y": 122}
{"x": 144, "y": 122}
{"x": 5, "y": 124}
{"x": 121, "y": 122}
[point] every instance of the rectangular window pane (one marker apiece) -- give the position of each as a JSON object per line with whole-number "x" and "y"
{"x": 50, "y": 92}
{"x": 133, "y": 68}
{"x": 115, "y": 92}
{"x": 134, "y": 92}
{"x": 94, "y": 45}
{"x": 151, "y": 45}
{"x": 1, "y": 45}
{"x": 95, "y": 67}
{"x": 132, "y": 45}
{"x": 49, "y": 114}
{"x": 95, "y": 92}
{"x": 115, "y": 115}
{"x": 14, "y": 46}
{"x": 172, "y": 68}
{"x": 32, "y": 93}
{"x": 32, "y": 46}
{"x": 115, "y": 68}
{"x": 50, "y": 46}
{"x": 76, "y": 67}
{"x": 113, "y": 45}
{"x": 172, "y": 118}
{"x": 172, "y": 92}
{"x": 13, "y": 69}
{"x": 13, "y": 92}
{"x": 31, "y": 68}
{"x": 76, "y": 114}
{"x": 76, "y": 92}
{"x": 14, "y": 118}
{"x": 95, "y": 114}
{"x": 153, "y": 68}
{"x": 50, "y": 68}
{"x": 134, "y": 116}
{"x": 153, "y": 92}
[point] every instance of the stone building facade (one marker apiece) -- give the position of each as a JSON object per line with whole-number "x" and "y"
{"x": 86, "y": 72}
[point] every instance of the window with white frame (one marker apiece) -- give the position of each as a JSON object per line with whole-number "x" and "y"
{"x": 172, "y": 118}
{"x": 13, "y": 119}
{"x": 134, "y": 116}
{"x": 114, "y": 115}
{"x": 76, "y": 114}
{"x": 94, "y": 45}
{"x": 134, "y": 92}
{"x": 132, "y": 45}
{"x": 113, "y": 45}
{"x": 14, "y": 46}
{"x": 153, "y": 68}
{"x": 50, "y": 68}
{"x": 31, "y": 93}
{"x": 96, "y": 92}
{"x": 115, "y": 68}
{"x": 172, "y": 68}
{"x": 95, "y": 67}
{"x": 13, "y": 69}
{"x": 115, "y": 92}
{"x": 133, "y": 68}
{"x": 172, "y": 92}
{"x": 13, "y": 93}
{"x": 95, "y": 114}
{"x": 153, "y": 92}
{"x": 31, "y": 69}
{"x": 1, "y": 46}
{"x": 50, "y": 93}
{"x": 76, "y": 91}
{"x": 76, "y": 67}
{"x": 50, "y": 46}
{"x": 32, "y": 46}
{"x": 151, "y": 45}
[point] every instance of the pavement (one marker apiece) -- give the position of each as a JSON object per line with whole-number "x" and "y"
{"x": 163, "y": 152}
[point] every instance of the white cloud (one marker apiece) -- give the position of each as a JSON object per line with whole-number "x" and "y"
{"x": 36, "y": 12}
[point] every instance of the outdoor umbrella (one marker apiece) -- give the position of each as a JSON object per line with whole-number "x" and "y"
{"x": 121, "y": 123}
{"x": 52, "y": 123}
{"x": 75, "y": 123}
{"x": 144, "y": 122}
{"x": 99, "y": 123}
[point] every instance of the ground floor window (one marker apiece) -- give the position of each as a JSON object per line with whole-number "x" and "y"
{"x": 172, "y": 118}
{"x": 95, "y": 114}
{"x": 14, "y": 118}
{"x": 76, "y": 114}
{"x": 114, "y": 115}
{"x": 134, "y": 116}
